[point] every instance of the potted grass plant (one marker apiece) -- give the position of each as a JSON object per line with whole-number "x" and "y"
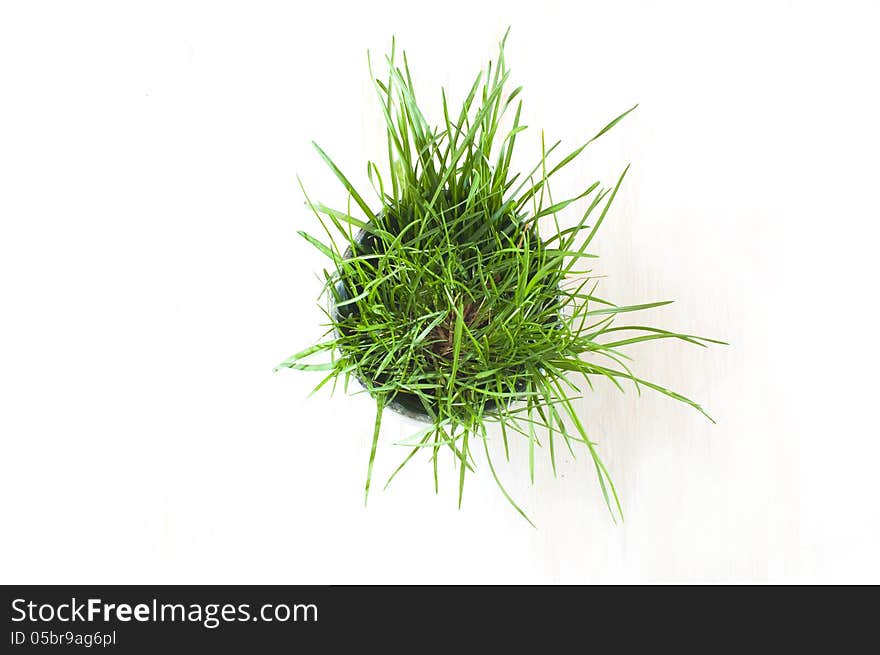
{"x": 448, "y": 303}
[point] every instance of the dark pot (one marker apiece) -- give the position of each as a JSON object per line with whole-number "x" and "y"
{"x": 406, "y": 404}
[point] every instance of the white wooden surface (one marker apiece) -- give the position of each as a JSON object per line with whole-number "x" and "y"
{"x": 152, "y": 277}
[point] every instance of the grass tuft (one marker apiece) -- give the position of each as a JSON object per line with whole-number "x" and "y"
{"x": 446, "y": 300}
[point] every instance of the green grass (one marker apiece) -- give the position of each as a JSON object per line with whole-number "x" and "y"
{"x": 446, "y": 299}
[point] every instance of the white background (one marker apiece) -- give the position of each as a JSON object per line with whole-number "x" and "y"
{"x": 151, "y": 277}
